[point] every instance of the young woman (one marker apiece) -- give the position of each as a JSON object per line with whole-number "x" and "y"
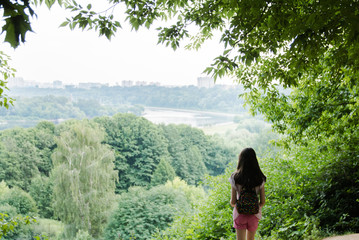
{"x": 250, "y": 176}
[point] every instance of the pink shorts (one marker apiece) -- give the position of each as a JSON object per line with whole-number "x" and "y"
{"x": 249, "y": 222}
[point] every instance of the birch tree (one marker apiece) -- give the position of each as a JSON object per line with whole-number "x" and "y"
{"x": 84, "y": 179}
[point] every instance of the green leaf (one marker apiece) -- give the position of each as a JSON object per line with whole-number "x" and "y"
{"x": 64, "y": 23}
{"x": 10, "y": 34}
{"x": 49, "y": 3}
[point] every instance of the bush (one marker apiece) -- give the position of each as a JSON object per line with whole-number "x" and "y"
{"x": 83, "y": 235}
{"x": 142, "y": 212}
{"x": 212, "y": 218}
{"x": 294, "y": 182}
{"x": 8, "y": 210}
{"x": 21, "y": 200}
{"x": 18, "y": 199}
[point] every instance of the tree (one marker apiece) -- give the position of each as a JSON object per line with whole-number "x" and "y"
{"x": 21, "y": 200}
{"x": 142, "y": 212}
{"x": 19, "y": 157}
{"x": 163, "y": 173}
{"x": 45, "y": 142}
{"x": 139, "y": 146}
{"x": 84, "y": 179}
{"x": 41, "y": 191}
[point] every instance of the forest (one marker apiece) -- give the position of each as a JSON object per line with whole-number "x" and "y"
{"x": 99, "y": 162}
{"x": 93, "y": 169}
{"x": 123, "y": 177}
{"x": 106, "y": 177}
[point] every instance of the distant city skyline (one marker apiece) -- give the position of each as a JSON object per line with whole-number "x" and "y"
{"x": 59, "y": 54}
{"x": 19, "y": 82}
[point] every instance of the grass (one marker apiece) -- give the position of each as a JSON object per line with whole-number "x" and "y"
{"x": 51, "y": 228}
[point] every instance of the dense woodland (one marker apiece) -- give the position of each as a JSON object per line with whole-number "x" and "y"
{"x": 51, "y": 170}
{"x": 122, "y": 172}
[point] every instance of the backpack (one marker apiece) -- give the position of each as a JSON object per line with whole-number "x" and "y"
{"x": 248, "y": 202}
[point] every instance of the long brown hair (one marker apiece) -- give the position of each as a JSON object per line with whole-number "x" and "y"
{"x": 248, "y": 172}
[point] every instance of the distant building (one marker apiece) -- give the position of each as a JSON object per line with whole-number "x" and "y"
{"x": 16, "y": 82}
{"x": 141, "y": 83}
{"x": 127, "y": 83}
{"x": 205, "y": 82}
{"x": 155, "y": 84}
{"x": 70, "y": 86}
{"x": 19, "y": 82}
{"x": 89, "y": 85}
{"x": 57, "y": 84}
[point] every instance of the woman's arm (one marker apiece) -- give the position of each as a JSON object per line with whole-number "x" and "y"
{"x": 262, "y": 199}
{"x": 233, "y": 197}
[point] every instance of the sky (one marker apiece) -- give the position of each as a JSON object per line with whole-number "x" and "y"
{"x": 53, "y": 53}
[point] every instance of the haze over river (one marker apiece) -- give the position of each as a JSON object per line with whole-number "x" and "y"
{"x": 189, "y": 117}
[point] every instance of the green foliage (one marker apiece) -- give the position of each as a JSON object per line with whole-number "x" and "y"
{"x": 253, "y": 132}
{"x": 20, "y": 159}
{"x": 193, "y": 194}
{"x": 47, "y": 107}
{"x": 5, "y": 208}
{"x": 125, "y": 99}
{"x": 47, "y": 228}
{"x": 193, "y": 153}
{"x": 291, "y": 186}
{"x": 5, "y": 72}
{"x": 143, "y": 212}
{"x": 41, "y": 191}
{"x": 338, "y": 200}
{"x": 16, "y": 16}
{"x": 163, "y": 173}
{"x": 21, "y": 200}
{"x": 84, "y": 179}
{"x": 212, "y": 217}
{"x": 86, "y": 18}
{"x": 10, "y": 224}
{"x": 139, "y": 146}
{"x": 44, "y": 134}
{"x": 83, "y": 235}
{"x": 266, "y": 42}
{"x": 56, "y": 109}
{"x": 12, "y": 203}
{"x": 307, "y": 194}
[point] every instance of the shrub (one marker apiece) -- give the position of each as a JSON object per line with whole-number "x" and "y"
{"x": 142, "y": 212}
{"x": 21, "y": 200}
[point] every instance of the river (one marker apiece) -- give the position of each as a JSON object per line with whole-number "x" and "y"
{"x": 189, "y": 117}
{"x": 155, "y": 115}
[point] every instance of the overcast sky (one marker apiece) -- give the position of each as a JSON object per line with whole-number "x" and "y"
{"x": 53, "y": 53}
